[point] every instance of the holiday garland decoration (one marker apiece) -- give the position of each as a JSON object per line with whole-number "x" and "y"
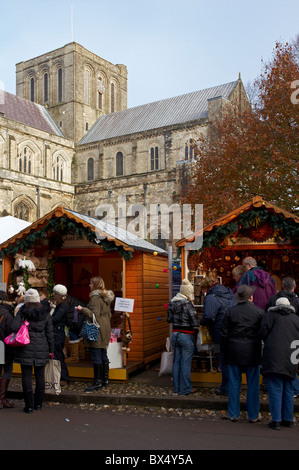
{"x": 63, "y": 226}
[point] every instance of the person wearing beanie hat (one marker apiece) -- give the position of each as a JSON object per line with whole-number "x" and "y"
{"x": 36, "y": 353}
{"x": 279, "y": 328}
{"x": 59, "y": 318}
{"x": 182, "y": 315}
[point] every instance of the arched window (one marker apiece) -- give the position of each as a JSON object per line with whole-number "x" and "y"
{"x": 112, "y": 97}
{"x": 190, "y": 149}
{"x": 100, "y": 92}
{"x": 86, "y": 85}
{"x": 25, "y": 161}
{"x": 32, "y": 89}
{"x": 90, "y": 169}
{"x": 22, "y": 211}
{"x": 59, "y": 85}
{"x": 46, "y": 87}
{"x": 119, "y": 164}
{"x": 154, "y": 158}
{"x": 58, "y": 167}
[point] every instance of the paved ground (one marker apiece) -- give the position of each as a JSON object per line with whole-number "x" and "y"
{"x": 147, "y": 392}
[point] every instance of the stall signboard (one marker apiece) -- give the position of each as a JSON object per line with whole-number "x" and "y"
{"x": 124, "y": 305}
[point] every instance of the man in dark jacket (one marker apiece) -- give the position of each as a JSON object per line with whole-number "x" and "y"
{"x": 241, "y": 349}
{"x": 279, "y": 329}
{"x": 288, "y": 291}
{"x": 217, "y": 300}
{"x": 59, "y": 318}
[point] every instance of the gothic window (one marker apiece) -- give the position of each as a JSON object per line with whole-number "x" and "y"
{"x": 25, "y": 161}
{"x": 22, "y": 211}
{"x": 112, "y": 97}
{"x": 59, "y": 85}
{"x": 190, "y": 149}
{"x": 119, "y": 164}
{"x": 46, "y": 87}
{"x": 154, "y": 158}
{"x": 32, "y": 89}
{"x": 58, "y": 167}
{"x": 100, "y": 92}
{"x": 90, "y": 169}
{"x": 87, "y": 82}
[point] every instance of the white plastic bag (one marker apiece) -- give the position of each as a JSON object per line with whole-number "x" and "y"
{"x": 166, "y": 360}
{"x": 52, "y": 377}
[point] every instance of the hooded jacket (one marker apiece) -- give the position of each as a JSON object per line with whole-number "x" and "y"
{"x": 264, "y": 283}
{"x": 40, "y": 332}
{"x": 217, "y": 301}
{"x": 99, "y": 305}
{"x": 279, "y": 328}
{"x": 181, "y": 314}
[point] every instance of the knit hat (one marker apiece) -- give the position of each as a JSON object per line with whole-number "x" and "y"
{"x": 31, "y": 295}
{"x": 282, "y": 301}
{"x": 60, "y": 289}
{"x": 244, "y": 293}
{"x": 187, "y": 289}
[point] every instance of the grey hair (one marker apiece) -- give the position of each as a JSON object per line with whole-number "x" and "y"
{"x": 250, "y": 260}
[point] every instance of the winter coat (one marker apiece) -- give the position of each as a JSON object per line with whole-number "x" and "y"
{"x": 59, "y": 316}
{"x": 291, "y": 296}
{"x": 218, "y": 299}
{"x": 99, "y": 304}
{"x": 264, "y": 283}
{"x": 181, "y": 314}
{"x": 240, "y": 341}
{"x": 280, "y": 327}
{"x": 5, "y": 328}
{"x": 40, "y": 332}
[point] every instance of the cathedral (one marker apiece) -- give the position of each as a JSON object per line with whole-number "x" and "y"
{"x": 68, "y": 139}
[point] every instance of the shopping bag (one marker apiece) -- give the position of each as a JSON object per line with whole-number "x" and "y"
{"x": 205, "y": 335}
{"x": 166, "y": 360}
{"x": 21, "y": 338}
{"x": 52, "y": 377}
{"x": 90, "y": 330}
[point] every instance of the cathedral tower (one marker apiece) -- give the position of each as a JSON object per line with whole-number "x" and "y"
{"x": 75, "y": 85}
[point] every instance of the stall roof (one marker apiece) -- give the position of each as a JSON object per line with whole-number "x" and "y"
{"x": 256, "y": 202}
{"x": 10, "y": 226}
{"x": 127, "y": 240}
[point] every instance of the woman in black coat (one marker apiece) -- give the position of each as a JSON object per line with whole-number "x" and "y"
{"x": 280, "y": 327}
{"x": 6, "y": 319}
{"x": 37, "y": 352}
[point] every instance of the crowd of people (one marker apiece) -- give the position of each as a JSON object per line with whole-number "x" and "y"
{"x": 47, "y": 321}
{"x": 253, "y": 328}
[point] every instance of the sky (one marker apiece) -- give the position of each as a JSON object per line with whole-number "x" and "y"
{"x": 170, "y": 47}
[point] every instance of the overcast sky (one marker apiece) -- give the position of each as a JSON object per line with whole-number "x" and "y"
{"x": 170, "y": 47}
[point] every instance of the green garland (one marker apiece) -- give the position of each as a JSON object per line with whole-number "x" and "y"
{"x": 64, "y": 226}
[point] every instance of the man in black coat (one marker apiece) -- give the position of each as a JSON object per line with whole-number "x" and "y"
{"x": 288, "y": 291}
{"x": 241, "y": 349}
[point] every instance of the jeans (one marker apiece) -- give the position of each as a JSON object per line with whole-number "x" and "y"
{"x": 183, "y": 348}
{"x": 99, "y": 355}
{"x": 253, "y": 390}
{"x": 59, "y": 338}
{"x": 296, "y": 385}
{"x": 281, "y": 397}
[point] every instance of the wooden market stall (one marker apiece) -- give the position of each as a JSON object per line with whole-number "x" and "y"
{"x": 258, "y": 229}
{"x": 69, "y": 248}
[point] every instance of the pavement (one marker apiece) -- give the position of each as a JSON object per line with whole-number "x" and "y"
{"x": 145, "y": 389}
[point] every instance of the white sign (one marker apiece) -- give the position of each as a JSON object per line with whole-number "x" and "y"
{"x": 2, "y": 355}
{"x": 124, "y": 305}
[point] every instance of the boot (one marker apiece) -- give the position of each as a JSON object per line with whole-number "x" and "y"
{"x": 74, "y": 352}
{"x": 105, "y": 374}
{"x": 4, "y": 403}
{"x": 28, "y": 398}
{"x": 81, "y": 349}
{"x": 38, "y": 399}
{"x": 98, "y": 379}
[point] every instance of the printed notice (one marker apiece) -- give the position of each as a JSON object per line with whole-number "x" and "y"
{"x": 124, "y": 305}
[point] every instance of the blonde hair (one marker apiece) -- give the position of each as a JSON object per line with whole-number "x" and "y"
{"x": 98, "y": 283}
{"x": 238, "y": 270}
